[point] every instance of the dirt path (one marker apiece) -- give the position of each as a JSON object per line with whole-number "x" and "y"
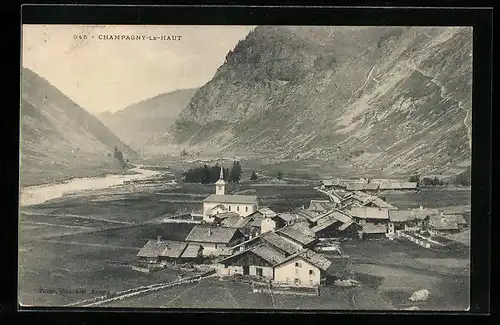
{"x": 231, "y": 296}
{"x": 180, "y": 295}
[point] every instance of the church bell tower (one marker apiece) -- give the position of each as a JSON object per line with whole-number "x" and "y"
{"x": 220, "y": 185}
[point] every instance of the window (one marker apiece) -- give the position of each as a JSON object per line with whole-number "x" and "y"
{"x": 215, "y": 246}
{"x": 311, "y": 272}
{"x": 298, "y": 264}
{"x": 229, "y": 208}
{"x": 297, "y": 281}
{"x": 238, "y": 208}
{"x": 246, "y": 209}
{"x": 258, "y": 270}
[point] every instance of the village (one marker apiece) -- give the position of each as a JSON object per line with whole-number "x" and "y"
{"x": 299, "y": 251}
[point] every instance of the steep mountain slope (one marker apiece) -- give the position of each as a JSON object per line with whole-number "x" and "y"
{"x": 391, "y": 99}
{"x": 139, "y": 123}
{"x": 59, "y": 139}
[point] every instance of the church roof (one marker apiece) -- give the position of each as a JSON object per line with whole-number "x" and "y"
{"x": 217, "y": 198}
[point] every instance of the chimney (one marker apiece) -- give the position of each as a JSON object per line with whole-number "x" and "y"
{"x": 158, "y": 239}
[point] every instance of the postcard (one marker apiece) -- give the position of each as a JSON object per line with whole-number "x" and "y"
{"x": 245, "y": 167}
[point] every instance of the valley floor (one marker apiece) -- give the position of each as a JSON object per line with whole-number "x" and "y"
{"x": 77, "y": 247}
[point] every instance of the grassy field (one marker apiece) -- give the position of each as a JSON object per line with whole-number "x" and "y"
{"x": 435, "y": 198}
{"x": 213, "y": 293}
{"x": 136, "y": 236}
{"x": 398, "y": 268}
{"x": 69, "y": 265}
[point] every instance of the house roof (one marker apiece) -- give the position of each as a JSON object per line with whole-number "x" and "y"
{"x": 359, "y": 196}
{"x": 378, "y": 202}
{"x": 401, "y": 215}
{"x": 218, "y": 206}
{"x": 374, "y": 229}
{"x": 296, "y": 235}
{"x": 256, "y": 214}
{"x": 287, "y": 217}
{"x": 191, "y": 251}
{"x": 332, "y": 182}
{"x": 173, "y": 249}
{"x": 209, "y": 234}
{"x": 318, "y": 260}
{"x": 441, "y": 223}
{"x": 267, "y": 212}
{"x": 263, "y": 251}
{"x": 152, "y": 248}
{"x": 422, "y": 213}
{"x": 345, "y": 225}
{"x": 459, "y": 219}
{"x": 397, "y": 185}
{"x": 303, "y": 227}
{"x": 330, "y": 222}
{"x": 235, "y": 222}
{"x": 225, "y": 215}
{"x": 321, "y": 205}
{"x": 216, "y": 198}
{"x": 362, "y": 186}
{"x": 369, "y": 213}
{"x": 255, "y": 221}
{"x": 268, "y": 254}
{"x": 312, "y": 216}
{"x": 284, "y": 244}
{"x": 409, "y": 185}
{"x": 336, "y": 214}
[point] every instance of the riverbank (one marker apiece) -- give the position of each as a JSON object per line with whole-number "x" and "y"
{"x": 28, "y": 179}
{"x": 41, "y": 193}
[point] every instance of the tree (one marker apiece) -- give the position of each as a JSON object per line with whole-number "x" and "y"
{"x": 118, "y": 155}
{"x": 279, "y": 176}
{"x": 254, "y": 176}
{"x": 205, "y": 178}
{"x": 464, "y": 178}
{"x": 236, "y": 171}
{"x": 414, "y": 178}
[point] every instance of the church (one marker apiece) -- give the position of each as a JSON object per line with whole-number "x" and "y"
{"x": 221, "y": 202}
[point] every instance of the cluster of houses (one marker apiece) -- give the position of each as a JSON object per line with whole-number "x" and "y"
{"x": 243, "y": 238}
{"x": 368, "y": 185}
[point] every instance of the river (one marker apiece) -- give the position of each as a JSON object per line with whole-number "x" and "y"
{"x": 41, "y": 193}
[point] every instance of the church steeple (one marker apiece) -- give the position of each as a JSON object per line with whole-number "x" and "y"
{"x": 220, "y": 185}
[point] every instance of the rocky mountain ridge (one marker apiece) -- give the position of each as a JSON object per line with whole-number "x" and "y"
{"x": 395, "y": 99}
{"x": 61, "y": 140}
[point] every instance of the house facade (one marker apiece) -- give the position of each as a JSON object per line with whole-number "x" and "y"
{"x": 297, "y": 271}
{"x": 256, "y": 261}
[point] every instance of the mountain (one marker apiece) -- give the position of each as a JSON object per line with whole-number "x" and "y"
{"x": 59, "y": 139}
{"x": 138, "y": 124}
{"x": 391, "y": 99}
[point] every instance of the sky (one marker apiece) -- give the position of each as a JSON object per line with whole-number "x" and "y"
{"x": 108, "y": 75}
